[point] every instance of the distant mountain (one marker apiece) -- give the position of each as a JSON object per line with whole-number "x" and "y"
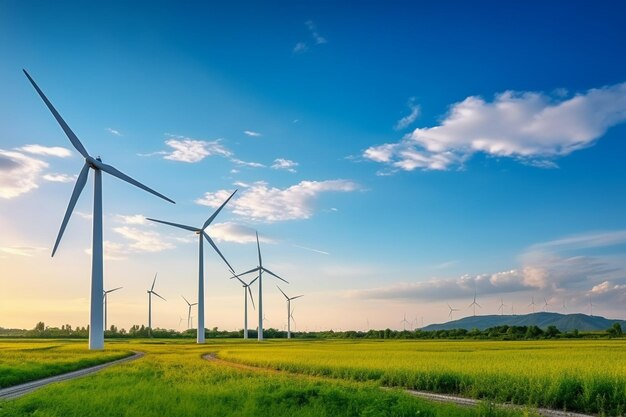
{"x": 563, "y": 322}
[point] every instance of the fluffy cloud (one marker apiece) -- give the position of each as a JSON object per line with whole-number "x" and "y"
{"x": 319, "y": 39}
{"x": 531, "y": 127}
{"x": 143, "y": 241}
{"x": 192, "y": 150}
{"x": 407, "y": 120}
{"x": 271, "y": 204}
{"x": 251, "y": 133}
{"x": 57, "y": 151}
{"x": 132, "y": 219}
{"x": 59, "y": 177}
{"x": 113, "y": 251}
{"x": 18, "y": 173}
{"x": 286, "y": 164}
{"x": 21, "y": 250}
{"x": 300, "y": 48}
{"x": 113, "y": 131}
{"x": 237, "y": 233}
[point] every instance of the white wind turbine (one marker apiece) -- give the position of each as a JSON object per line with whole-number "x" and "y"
{"x": 189, "y": 310}
{"x": 261, "y": 269}
{"x": 404, "y": 322}
{"x": 545, "y": 305}
{"x": 106, "y": 293}
{"x": 452, "y": 310}
{"x": 289, "y": 311}
{"x": 246, "y": 290}
{"x": 202, "y": 233}
{"x": 474, "y": 304}
{"x": 501, "y": 308}
{"x": 150, "y": 292}
{"x": 96, "y": 321}
{"x": 532, "y": 303}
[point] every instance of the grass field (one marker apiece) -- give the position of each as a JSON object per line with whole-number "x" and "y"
{"x": 35, "y": 359}
{"x": 172, "y": 379}
{"x": 587, "y": 376}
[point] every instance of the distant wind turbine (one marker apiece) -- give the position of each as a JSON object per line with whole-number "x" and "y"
{"x": 96, "y": 321}
{"x": 246, "y": 290}
{"x": 501, "y": 308}
{"x": 532, "y": 303}
{"x": 289, "y": 311}
{"x": 474, "y": 304}
{"x": 189, "y": 311}
{"x": 404, "y": 322}
{"x": 200, "y": 338}
{"x": 452, "y": 310}
{"x": 181, "y": 320}
{"x": 261, "y": 269}
{"x": 590, "y": 306}
{"x": 564, "y": 306}
{"x": 546, "y": 304}
{"x": 150, "y": 292}
{"x": 106, "y": 293}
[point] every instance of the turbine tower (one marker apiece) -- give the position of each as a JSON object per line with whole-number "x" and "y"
{"x": 189, "y": 311}
{"x": 451, "y": 311}
{"x": 289, "y": 311}
{"x": 96, "y": 321}
{"x": 501, "y": 308}
{"x": 106, "y": 293}
{"x": 474, "y": 304}
{"x": 201, "y": 233}
{"x": 246, "y": 290}
{"x": 532, "y": 303}
{"x": 260, "y": 269}
{"x": 150, "y": 292}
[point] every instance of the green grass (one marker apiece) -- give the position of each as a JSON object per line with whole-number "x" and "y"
{"x": 173, "y": 380}
{"x": 585, "y": 376}
{"x": 26, "y": 361}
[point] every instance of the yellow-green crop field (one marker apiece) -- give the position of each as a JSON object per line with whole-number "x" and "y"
{"x": 325, "y": 378}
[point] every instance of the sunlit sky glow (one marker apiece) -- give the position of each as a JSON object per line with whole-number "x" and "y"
{"x": 393, "y": 157}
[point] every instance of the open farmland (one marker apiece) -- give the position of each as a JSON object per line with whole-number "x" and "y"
{"x": 586, "y": 376}
{"x": 173, "y": 379}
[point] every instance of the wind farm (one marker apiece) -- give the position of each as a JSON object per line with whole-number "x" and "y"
{"x": 422, "y": 204}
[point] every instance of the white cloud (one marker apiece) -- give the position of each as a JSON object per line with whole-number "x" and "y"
{"x": 113, "y": 131}
{"x": 18, "y": 173}
{"x": 246, "y": 163}
{"x": 251, "y": 133}
{"x": 286, "y": 164}
{"x": 271, "y": 204}
{"x": 132, "y": 219}
{"x": 46, "y": 150}
{"x": 300, "y": 48}
{"x": 192, "y": 150}
{"x": 52, "y": 177}
{"x": 319, "y": 39}
{"x": 531, "y": 127}
{"x": 113, "y": 251}
{"x": 584, "y": 241}
{"x": 311, "y": 249}
{"x": 407, "y": 120}
{"x": 26, "y": 251}
{"x": 143, "y": 241}
{"x": 237, "y": 233}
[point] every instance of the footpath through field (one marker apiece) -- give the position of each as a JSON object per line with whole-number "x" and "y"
{"x": 23, "y": 389}
{"x": 445, "y": 398}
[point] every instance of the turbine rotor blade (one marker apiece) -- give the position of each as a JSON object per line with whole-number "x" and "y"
{"x": 78, "y": 188}
{"x": 251, "y": 298}
{"x": 247, "y": 272}
{"x": 271, "y": 273}
{"x": 158, "y": 296}
{"x": 119, "y": 174}
{"x": 154, "y": 281}
{"x": 258, "y": 248}
{"x": 185, "y": 300}
{"x": 210, "y": 219}
{"x": 282, "y": 292}
{"x": 297, "y": 296}
{"x": 70, "y": 134}
{"x": 251, "y": 282}
{"x": 114, "y": 289}
{"x": 181, "y": 226}
{"x": 217, "y": 250}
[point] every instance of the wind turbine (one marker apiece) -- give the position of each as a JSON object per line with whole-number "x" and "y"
{"x": 545, "y": 305}
{"x": 289, "y": 311}
{"x": 189, "y": 310}
{"x": 181, "y": 320}
{"x": 246, "y": 290}
{"x": 260, "y": 269}
{"x": 404, "y": 322}
{"x": 150, "y": 292}
{"x": 106, "y": 293}
{"x": 590, "y": 306}
{"x": 451, "y": 311}
{"x": 474, "y": 304}
{"x": 96, "y": 321}
{"x": 501, "y": 308}
{"x": 532, "y": 303}
{"x": 201, "y": 233}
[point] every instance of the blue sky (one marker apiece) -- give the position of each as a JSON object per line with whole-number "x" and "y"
{"x": 421, "y": 150}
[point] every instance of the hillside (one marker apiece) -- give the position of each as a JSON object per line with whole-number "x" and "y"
{"x": 564, "y": 322}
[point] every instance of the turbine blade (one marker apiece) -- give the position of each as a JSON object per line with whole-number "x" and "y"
{"x": 252, "y": 282}
{"x": 72, "y": 137}
{"x": 153, "y": 281}
{"x": 217, "y": 250}
{"x": 194, "y": 304}
{"x": 210, "y": 219}
{"x": 247, "y": 272}
{"x": 159, "y": 296}
{"x": 240, "y": 280}
{"x": 297, "y": 296}
{"x": 78, "y": 188}
{"x": 185, "y": 300}
{"x": 282, "y": 292}
{"x": 119, "y": 174}
{"x": 271, "y": 273}
{"x": 181, "y": 226}
{"x": 251, "y": 298}
{"x": 479, "y": 306}
{"x": 115, "y": 289}
{"x": 258, "y": 248}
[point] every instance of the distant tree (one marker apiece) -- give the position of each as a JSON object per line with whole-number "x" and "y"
{"x": 552, "y": 331}
{"x": 615, "y": 330}
{"x": 40, "y": 327}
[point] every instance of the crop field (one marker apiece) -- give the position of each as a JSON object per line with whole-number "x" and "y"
{"x": 173, "y": 379}
{"x": 586, "y": 376}
{"x": 27, "y": 361}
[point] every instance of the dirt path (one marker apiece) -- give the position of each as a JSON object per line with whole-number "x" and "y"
{"x": 28, "y": 387}
{"x": 444, "y": 398}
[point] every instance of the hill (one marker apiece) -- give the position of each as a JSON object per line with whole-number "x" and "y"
{"x": 564, "y": 322}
